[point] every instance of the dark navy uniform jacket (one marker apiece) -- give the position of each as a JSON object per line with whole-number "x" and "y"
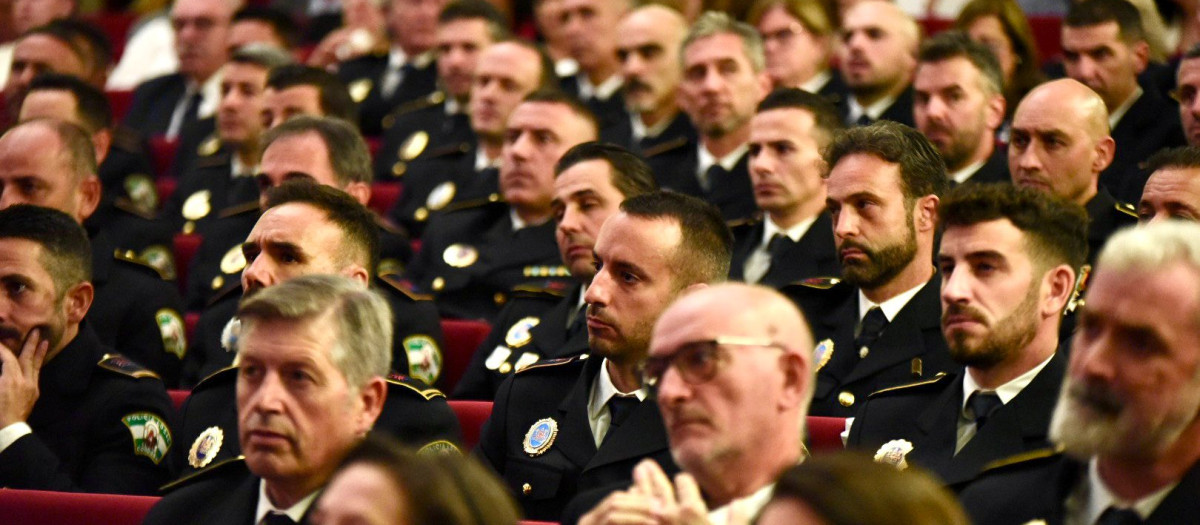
{"x": 227, "y": 494}
{"x": 403, "y": 144}
{"x": 364, "y": 76}
{"x": 814, "y": 255}
{"x": 675, "y": 167}
{"x": 150, "y": 112}
{"x": 100, "y": 424}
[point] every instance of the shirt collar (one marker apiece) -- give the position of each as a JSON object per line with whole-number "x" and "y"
{"x": 890, "y": 307}
{"x": 817, "y": 81}
{"x": 1115, "y": 116}
{"x": 482, "y": 162}
{"x": 295, "y": 512}
{"x": 1008, "y": 390}
{"x": 210, "y": 95}
{"x": 452, "y": 106}
{"x": 794, "y": 233}
{"x": 706, "y": 159}
{"x": 640, "y": 131}
{"x": 397, "y": 58}
{"x": 604, "y": 91}
{"x": 603, "y": 389}
{"x": 748, "y": 506}
{"x": 1100, "y": 498}
{"x": 873, "y": 111}
{"x": 238, "y": 169}
{"x": 962, "y": 175}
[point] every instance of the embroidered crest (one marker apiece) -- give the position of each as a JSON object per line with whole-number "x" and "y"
{"x": 151, "y": 438}
{"x": 206, "y": 447}
{"x": 893, "y": 453}
{"x": 540, "y": 436}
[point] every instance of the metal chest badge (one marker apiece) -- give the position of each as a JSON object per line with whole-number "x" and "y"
{"x": 206, "y": 447}
{"x": 540, "y": 436}
{"x": 822, "y": 353}
{"x": 893, "y": 453}
{"x": 518, "y": 334}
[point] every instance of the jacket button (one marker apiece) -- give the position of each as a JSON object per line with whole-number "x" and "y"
{"x": 846, "y": 399}
{"x": 526, "y": 489}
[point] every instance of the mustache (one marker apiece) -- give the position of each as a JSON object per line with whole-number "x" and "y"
{"x": 1097, "y": 398}
{"x": 962, "y": 310}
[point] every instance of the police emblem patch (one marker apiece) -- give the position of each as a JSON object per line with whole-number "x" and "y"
{"x": 233, "y": 261}
{"x": 518, "y": 334}
{"x": 414, "y": 145}
{"x": 893, "y": 453}
{"x": 441, "y": 195}
{"x": 142, "y": 192}
{"x": 822, "y": 353}
{"x": 151, "y": 438}
{"x": 206, "y": 447}
{"x": 438, "y": 448}
{"x": 197, "y": 205}
{"x": 424, "y": 358}
{"x": 540, "y": 436}
{"x": 460, "y": 255}
{"x": 174, "y": 336}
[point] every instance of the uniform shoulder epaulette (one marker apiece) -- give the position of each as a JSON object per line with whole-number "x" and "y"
{"x": 553, "y": 363}
{"x": 205, "y": 472}
{"x": 910, "y": 386}
{"x": 125, "y": 366}
{"x": 817, "y": 283}
{"x": 229, "y": 372}
{"x": 395, "y": 283}
{"x": 126, "y": 205}
{"x": 384, "y": 225}
{"x": 473, "y": 203}
{"x": 212, "y": 161}
{"x": 131, "y": 257}
{"x": 231, "y": 287}
{"x": 529, "y": 291}
{"x": 422, "y": 389}
{"x": 1126, "y": 208}
{"x": 659, "y": 149}
{"x": 453, "y": 149}
{"x": 744, "y": 222}
{"x": 432, "y": 99}
{"x": 1031, "y": 456}
{"x": 238, "y": 209}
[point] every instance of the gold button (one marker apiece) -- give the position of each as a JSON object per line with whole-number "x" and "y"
{"x": 399, "y": 168}
{"x": 499, "y": 298}
{"x": 846, "y": 399}
{"x": 505, "y": 368}
{"x": 217, "y": 282}
{"x": 189, "y": 227}
{"x": 526, "y": 489}
{"x": 438, "y": 284}
{"x": 862, "y": 352}
{"x": 421, "y": 214}
{"x": 493, "y": 197}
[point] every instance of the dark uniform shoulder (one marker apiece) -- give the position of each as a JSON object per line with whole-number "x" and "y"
{"x": 554, "y": 365}
{"x": 217, "y": 378}
{"x": 745, "y": 223}
{"x": 670, "y": 145}
{"x": 1126, "y": 208}
{"x": 813, "y": 284}
{"x": 427, "y": 101}
{"x": 936, "y": 383}
{"x": 491, "y": 201}
{"x": 232, "y": 467}
{"x": 130, "y": 259}
{"x": 551, "y": 291}
{"x": 124, "y": 366}
{"x": 1024, "y": 460}
{"x": 406, "y": 384}
{"x": 395, "y": 286}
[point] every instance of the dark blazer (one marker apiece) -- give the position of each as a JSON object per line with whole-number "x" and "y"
{"x": 228, "y": 495}
{"x": 90, "y": 403}
{"x": 621, "y": 134}
{"x": 150, "y": 111}
{"x": 450, "y": 171}
{"x": 994, "y": 170}
{"x": 505, "y": 347}
{"x": 926, "y": 414}
{"x": 608, "y": 112}
{"x": 1151, "y": 124}
{"x": 900, "y": 110}
{"x": 559, "y": 390}
{"x": 1106, "y": 215}
{"x": 426, "y": 115}
{"x": 1036, "y": 487}
{"x": 368, "y": 71}
{"x": 492, "y": 259}
{"x": 909, "y": 349}
{"x": 675, "y": 168}
{"x": 813, "y": 255}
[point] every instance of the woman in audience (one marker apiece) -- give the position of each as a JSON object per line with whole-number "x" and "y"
{"x": 1001, "y": 26}
{"x": 363, "y": 31}
{"x": 848, "y": 488}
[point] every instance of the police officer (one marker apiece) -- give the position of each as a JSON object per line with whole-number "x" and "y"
{"x": 52, "y": 163}
{"x": 592, "y": 180}
{"x": 74, "y": 416}
{"x": 475, "y": 253}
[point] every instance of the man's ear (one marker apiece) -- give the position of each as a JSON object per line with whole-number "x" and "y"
{"x": 797, "y": 378}
{"x": 361, "y": 192}
{"x": 77, "y": 301}
{"x": 925, "y": 210}
{"x": 89, "y": 196}
{"x": 358, "y": 273}
{"x": 1058, "y": 285}
{"x": 101, "y": 142}
{"x": 372, "y": 396}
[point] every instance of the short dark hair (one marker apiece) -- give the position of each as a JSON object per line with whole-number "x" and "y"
{"x": 922, "y": 171}
{"x": 348, "y": 153}
{"x": 93, "y": 109}
{"x": 547, "y": 75}
{"x": 332, "y": 94}
{"x": 92, "y": 43}
{"x": 497, "y": 25}
{"x": 630, "y": 174}
{"x": 956, "y": 44}
{"x": 360, "y": 233}
{"x": 281, "y": 24}
{"x": 1056, "y": 229}
{"x": 825, "y": 115}
{"x": 558, "y": 96}
{"x": 66, "y": 252}
{"x": 1180, "y": 157}
{"x": 77, "y": 154}
{"x": 265, "y": 56}
{"x": 706, "y": 246}
{"x": 1097, "y": 12}
{"x": 69, "y": 35}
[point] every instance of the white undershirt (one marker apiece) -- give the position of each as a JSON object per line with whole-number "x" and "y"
{"x": 295, "y": 512}
{"x": 599, "y": 418}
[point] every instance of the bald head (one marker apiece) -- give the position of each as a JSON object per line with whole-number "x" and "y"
{"x": 648, "y": 40}
{"x": 1060, "y": 140}
{"x": 755, "y": 311}
{"x": 879, "y": 49}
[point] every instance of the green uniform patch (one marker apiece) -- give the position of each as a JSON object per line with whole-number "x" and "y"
{"x": 424, "y": 358}
{"x": 151, "y": 437}
{"x": 174, "y": 336}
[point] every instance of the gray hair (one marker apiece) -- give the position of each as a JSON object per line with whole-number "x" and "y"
{"x": 713, "y": 23}
{"x": 362, "y": 318}
{"x": 1153, "y": 247}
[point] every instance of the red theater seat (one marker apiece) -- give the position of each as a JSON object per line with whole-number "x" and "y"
{"x": 471, "y": 416}
{"x": 185, "y": 247}
{"x": 462, "y": 338}
{"x": 825, "y": 433}
{"x": 115, "y": 25}
{"x": 190, "y": 320}
{"x": 66, "y": 508}
{"x": 119, "y": 101}
{"x": 383, "y": 194}
{"x": 162, "y": 154}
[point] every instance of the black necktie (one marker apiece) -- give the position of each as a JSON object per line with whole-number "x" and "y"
{"x": 619, "y": 407}
{"x": 1116, "y": 516}
{"x": 863, "y": 120}
{"x": 778, "y": 245}
{"x": 713, "y": 176}
{"x": 277, "y": 518}
{"x": 871, "y": 327}
{"x": 983, "y": 405}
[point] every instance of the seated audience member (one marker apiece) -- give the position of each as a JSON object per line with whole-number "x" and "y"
{"x": 1104, "y": 47}
{"x": 592, "y": 181}
{"x": 958, "y": 103}
{"x": 312, "y": 357}
{"x": 880, "y": 324}
{"x": 1173, "y": 189}
{"x": 380, "y": 483}
{"x": 28, "y": 14}
{"x": 877, "y": 57}
{"x": 737, "y": 358}
{"x": 476, "y": 252}
{"x": 52, "y": 163}
{"x": 1187, "y": 88}
{"x": 257, "y": 24}
{"x": 59, "y": 47}
{"x": 1126, "y": 420}
{"x": 798, "y": 39}
{"x": 793, "y": 240}
{"x": 1008, "y": 259}
{"x": 293, "y": 90}
{"x": 74, "y": 416}
{"x": 848, "y": 489}
{"x": 565, "y": 426}
{"x": 1060, "y": 144}
{"x": 363, "y": 31}
{"x": 1002, "y": 27}
{"x": 587, "y": 28}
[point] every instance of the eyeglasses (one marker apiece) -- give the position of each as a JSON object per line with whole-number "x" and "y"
{"x": 697, "y": 361}
{"x": 785, "y": 35}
